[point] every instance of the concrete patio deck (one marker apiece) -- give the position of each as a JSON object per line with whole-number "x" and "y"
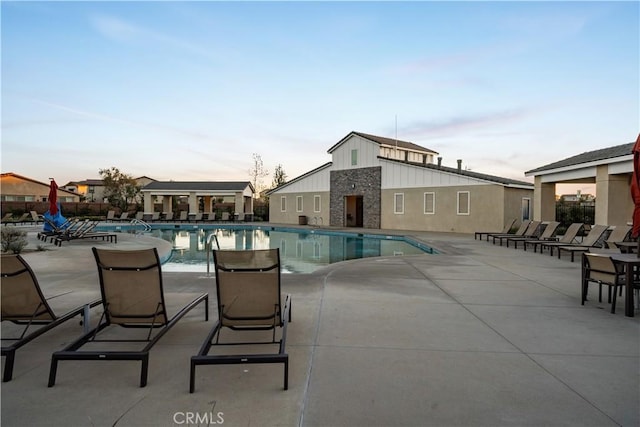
{"x": 479, "y": 335}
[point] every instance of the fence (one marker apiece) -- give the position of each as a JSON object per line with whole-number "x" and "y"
{"x": 567, "y": 214}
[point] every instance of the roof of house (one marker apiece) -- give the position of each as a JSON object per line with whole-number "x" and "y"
{"x": 298, "y": 178}
{"x": 198, "y": 185}
{"x": 94, "y": 182}
{"x": 589, "y": 156}
{"x": 24, "y": 178}
{"x": 463, "y": 172}
{"x": 383, "y": 141}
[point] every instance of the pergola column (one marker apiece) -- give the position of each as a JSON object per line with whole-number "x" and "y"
{"x": 167, "y": 203}
{"x": 613, "y": 201}
{"x": 193, "y": 202}
{"x": 148, "y": 202}
{"x": 544, "y": 200}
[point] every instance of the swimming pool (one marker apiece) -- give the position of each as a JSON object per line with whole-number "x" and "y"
{"x": 301, "y": 250}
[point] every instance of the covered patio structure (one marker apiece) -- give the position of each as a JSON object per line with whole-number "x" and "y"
{"x": 608, "y": 168}
{"x": 208, "y": 191}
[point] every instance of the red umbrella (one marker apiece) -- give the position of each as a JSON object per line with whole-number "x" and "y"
{"x": 53, "y": 198}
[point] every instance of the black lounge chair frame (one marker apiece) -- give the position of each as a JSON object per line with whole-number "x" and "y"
{"x": 73, "y": 352}
{"x": 28, "y": 319}
{"x": 283, "y": 313}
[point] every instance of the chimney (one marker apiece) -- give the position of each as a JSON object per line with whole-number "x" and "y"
{"x": 439, "y": 161}
{"x": 459, "y": 165}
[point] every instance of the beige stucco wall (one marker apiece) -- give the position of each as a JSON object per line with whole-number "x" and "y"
{"x": 14, "y": 186}
{"x": 486, "y": 209}
{"x": 291, "y": 215}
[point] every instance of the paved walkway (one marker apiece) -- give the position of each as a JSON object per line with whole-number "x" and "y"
{"x": 479, "y": 335}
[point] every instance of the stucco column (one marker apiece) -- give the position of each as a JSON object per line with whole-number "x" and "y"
{"x": 239, "y": 208}
{"x": 193, "y": 202}
{"x": 167, "y": 205}
{"x": 544, "y": 200}
{"x": 613, "y": 205}
{"x": 148, "y": 199}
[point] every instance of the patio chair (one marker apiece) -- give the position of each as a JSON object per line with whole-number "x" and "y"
{"x": 601, "y": 269}
{"x": 23, "y": 303}
{"x": 550, "y": 230}
{"x": 567, "y": 238}
{"x": 505, "y": 230}
{"x": 530, "y": 232}
{"x": 590, "y": 241}
{"x": 249, "y": 299}
{"x": 132, "y": 297}
{"x": 519, "y": 232}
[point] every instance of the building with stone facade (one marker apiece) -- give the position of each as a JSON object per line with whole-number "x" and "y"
{"x": 382, "y": 183}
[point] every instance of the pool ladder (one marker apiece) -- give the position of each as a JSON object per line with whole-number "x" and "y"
{"x": 208, "y": 247}
{"x": 146, "y": 226}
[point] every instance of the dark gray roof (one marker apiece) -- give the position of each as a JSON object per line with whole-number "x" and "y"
{"x": 462, "y": 172}
{"x": 198, "y": 185}
{"x": 382, "y": 140}
{"x": 589, "y": 156}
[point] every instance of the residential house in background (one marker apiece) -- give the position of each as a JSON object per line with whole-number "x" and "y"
{"x": 93, "y": 190}
{"x": 377, "y": 182}
{"x": 18, "y": 188}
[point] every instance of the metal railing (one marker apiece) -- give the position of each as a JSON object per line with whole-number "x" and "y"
{"x": 208, "y": 247}
{"x": 135, "y": 221}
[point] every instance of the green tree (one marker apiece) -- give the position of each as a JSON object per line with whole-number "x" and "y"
{"x": 279, "y": 177}
{"x": 120, "y": 189}
{"x": 257, "y": 172}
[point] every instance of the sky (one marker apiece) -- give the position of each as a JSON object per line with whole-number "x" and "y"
{"x": 189, "y": 91}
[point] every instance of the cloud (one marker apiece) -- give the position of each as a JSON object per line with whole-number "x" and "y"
{"x": 126, "y": 32}
{"x": 453, "y": 126}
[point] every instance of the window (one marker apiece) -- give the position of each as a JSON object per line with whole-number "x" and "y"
{"x": 429, "y": 203}
{"x": 283, "y": 204}
{"x": 298, "y": 203}
{"x": 316, "y": 203}
{"x": 354, "y": 157}
{"x": 398, "y": 203}
{"x": 463, "y": 203}
{"x": 526, "y": 208}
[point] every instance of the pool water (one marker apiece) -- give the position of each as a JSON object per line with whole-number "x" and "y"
{"x": 301, "y": 251}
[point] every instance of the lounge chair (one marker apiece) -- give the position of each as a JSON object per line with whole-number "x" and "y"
{"x": 226, "y": 217}
{"x": 505, "y": 230}
{"x": 519, "y": 232}
{"x": 601, "y": 269}
{"x": 21, "y": 219}
{"x": 132, "y": 296}
{"x": 8, "y": 217}
{"x": 249, "y": 299}
{"x": 568, "y": 238}
{"x": 23, "y": 303}
{"x": 530, "y": 232}
{"x": 168, "y": 217}
{"x": 35, "y": 218}
{"x": 123, "y": 217}
{"x": 196, "y": 217}
{"x": 155, "y": 217}
{"x": 619, "y": 234}
{"x": 111, "y": 215}
{"x": 590, "y": 241}
{"x": 140, "y": 216}
{"x": 184, "y": 216}
{"x": 549, "y": 231}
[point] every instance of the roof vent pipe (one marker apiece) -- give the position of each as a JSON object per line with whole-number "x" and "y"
{"x": 459, "y": 165}
{"x": 439, "y": 161}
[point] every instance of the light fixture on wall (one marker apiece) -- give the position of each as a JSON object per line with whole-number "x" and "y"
{"x": 353, "y": 186}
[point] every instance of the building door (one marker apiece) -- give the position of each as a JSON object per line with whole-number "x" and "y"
{"x": 353, "y": 211}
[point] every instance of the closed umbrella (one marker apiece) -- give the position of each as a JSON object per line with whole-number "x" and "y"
{"x": 53, "y": 198}
{"x": 635, "y": 192}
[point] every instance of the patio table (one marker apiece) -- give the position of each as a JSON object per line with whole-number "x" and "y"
{"x": 630, "y": 262}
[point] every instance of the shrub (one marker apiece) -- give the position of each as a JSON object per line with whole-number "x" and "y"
{"x": 13, "y": 240}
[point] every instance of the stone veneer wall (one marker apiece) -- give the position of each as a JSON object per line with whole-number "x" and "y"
{"x": 367, "y": 184}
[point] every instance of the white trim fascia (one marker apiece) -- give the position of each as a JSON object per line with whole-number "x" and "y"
{"x": 609, "y": 161}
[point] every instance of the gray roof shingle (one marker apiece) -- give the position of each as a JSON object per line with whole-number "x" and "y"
{"x": 589, "y": 156}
